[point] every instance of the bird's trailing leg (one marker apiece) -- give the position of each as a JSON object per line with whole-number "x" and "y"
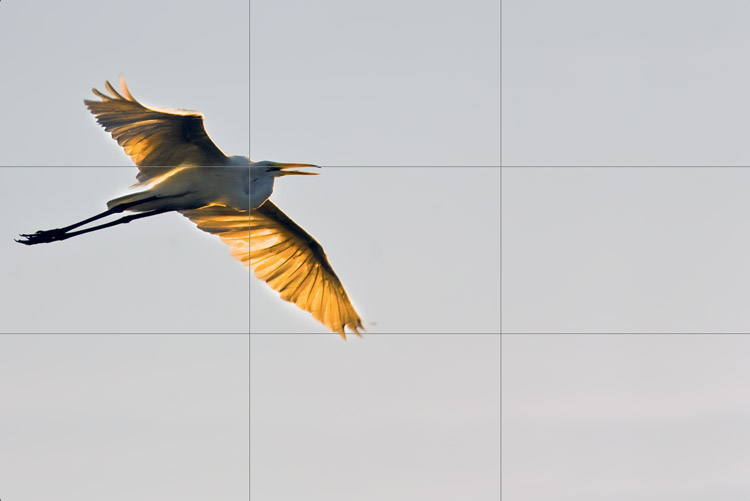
{"x": 46, "y": 236}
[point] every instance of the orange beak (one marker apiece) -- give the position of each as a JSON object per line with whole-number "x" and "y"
{"x": 282, "y": 167}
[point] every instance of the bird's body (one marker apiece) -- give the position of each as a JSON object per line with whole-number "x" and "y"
{"x": 181, "y": 169}
{"x": 190, "y": 187}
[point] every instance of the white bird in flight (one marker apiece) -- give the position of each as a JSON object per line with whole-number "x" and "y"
{"x": 181, "y": 169}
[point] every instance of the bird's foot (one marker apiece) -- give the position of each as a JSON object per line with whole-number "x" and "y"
{"x": 42, "y": 237}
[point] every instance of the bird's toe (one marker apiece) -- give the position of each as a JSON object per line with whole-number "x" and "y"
{"x": 40, "y": 237}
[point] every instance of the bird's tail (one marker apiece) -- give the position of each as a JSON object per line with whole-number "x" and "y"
{"x": 142, "y": 201}
{"x": 131, "y": 200}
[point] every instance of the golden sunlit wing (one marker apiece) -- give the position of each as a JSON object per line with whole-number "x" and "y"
{"x": 293, "y": 263}
{"x": 230, "y": 224}
{"x": 154, "y": 137}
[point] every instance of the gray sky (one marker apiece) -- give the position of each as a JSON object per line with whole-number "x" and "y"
{"x": 403, "y": 417}
{"x": 399, "y": 83}
{"x": 618, "y": 217}
{"x": 160, "y": 417}
{"x": 400, "y": 101}
{"x": 622, "y": 417}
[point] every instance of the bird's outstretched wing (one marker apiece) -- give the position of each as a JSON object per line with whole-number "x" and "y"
{"x": 230, "y": 224}
{"x": 154, "y": 137}
{"x": 293, "y": 263}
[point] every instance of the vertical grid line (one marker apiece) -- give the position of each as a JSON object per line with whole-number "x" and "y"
{"x": 249, "y": 304}
{"x": 501, "y": 250}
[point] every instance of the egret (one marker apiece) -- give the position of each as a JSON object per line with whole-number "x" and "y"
{"x": 182, "y": 170}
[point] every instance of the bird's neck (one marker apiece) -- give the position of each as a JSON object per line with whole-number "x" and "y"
{"x": 238, "y": 160}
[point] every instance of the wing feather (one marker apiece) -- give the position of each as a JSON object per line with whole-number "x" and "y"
{"x": 230, "y": 224}
{"x": 294, "y": 264}
{"x": 154, "y": 137}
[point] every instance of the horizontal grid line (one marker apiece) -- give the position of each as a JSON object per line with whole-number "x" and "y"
{"x": 349, "y": 335}
{"x": 707, "y": 333}
{"x": 625, "y": 166}
{"x": 209, "y": 166}
{"x": 124, "y": 333}
{"x": 366, "y": 334}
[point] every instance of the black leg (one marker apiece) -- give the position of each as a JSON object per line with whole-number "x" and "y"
{"x": 114, "y": 210}
{"x": 43, "y": 237}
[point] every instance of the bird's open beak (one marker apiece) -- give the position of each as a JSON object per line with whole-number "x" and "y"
{"x": 282, "y": 168}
